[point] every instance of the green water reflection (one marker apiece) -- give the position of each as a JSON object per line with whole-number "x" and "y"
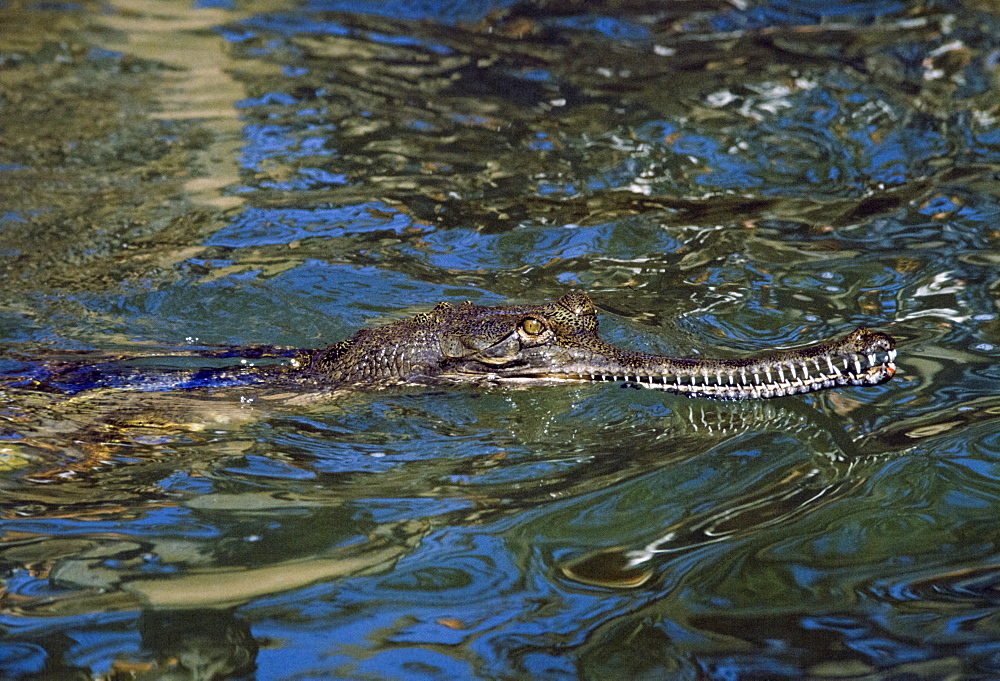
{"x": 721, "y": 178}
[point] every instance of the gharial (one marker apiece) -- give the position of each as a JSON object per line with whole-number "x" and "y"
{"x": 544, "y": 343}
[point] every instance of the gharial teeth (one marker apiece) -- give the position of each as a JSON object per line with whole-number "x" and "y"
{"x": 833, "y": 369}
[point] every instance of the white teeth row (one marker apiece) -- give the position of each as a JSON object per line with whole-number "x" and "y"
{"x": 736, "y": 382}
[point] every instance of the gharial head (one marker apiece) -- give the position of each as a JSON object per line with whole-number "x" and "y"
{"x": 519, "y": 339}
{"x": 558, "y": 341}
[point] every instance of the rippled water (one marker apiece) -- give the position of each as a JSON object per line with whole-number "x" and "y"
{"x": 721, "y": 177}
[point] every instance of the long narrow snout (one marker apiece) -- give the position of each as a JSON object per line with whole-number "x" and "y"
{"x": 861, "y": 358}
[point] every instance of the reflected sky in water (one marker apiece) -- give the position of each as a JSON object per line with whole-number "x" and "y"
{"x": 722, "y": 178}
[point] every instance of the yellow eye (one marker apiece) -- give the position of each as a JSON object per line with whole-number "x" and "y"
{"x": 532, "y": 326}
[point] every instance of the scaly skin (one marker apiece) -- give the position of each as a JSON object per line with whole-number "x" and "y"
{"x": 558, "y": 341}
{"x": 530, "y": 344}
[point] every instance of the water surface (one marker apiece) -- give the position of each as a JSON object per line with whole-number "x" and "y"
{"x": 722, "y": 178}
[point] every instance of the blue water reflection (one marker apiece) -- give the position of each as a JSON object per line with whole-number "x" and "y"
{"x": 261, "y": 227}
{"x": 797, "y": 13}
{"x": 722, "y": 179}
{"x": 409, "y": 10}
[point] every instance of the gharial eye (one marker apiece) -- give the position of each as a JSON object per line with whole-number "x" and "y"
{"x": 532, "y": 326}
